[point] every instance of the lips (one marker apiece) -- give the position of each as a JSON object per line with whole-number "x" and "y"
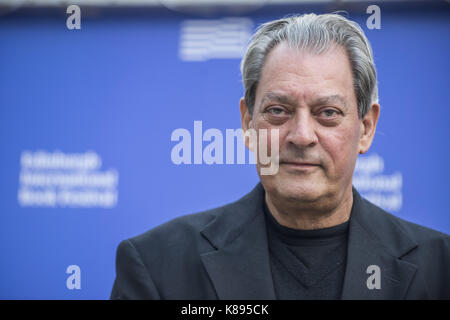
{"x": 300, "y": 164}
{"x": 295, "y": 166}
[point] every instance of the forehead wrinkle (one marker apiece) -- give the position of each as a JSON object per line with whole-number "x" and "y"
{"x": 286, "y": 99}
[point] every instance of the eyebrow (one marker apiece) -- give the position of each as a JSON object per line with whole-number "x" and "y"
{"x": 285, "y": 99}
{"x": 281, "y": 98}
{"x": 329, "y": 99}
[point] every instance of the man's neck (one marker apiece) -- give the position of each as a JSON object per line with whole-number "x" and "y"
{"x": 296, "y": 217}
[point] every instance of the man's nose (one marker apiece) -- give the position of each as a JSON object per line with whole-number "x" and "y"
{"x": 302, "y": 130}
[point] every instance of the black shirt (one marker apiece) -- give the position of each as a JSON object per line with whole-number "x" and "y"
{"x": 307, "y": 264}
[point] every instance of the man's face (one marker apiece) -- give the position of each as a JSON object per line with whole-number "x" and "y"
{"x": 311, "y": 100}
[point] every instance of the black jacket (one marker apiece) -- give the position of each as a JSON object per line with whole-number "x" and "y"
{"x": 223, "y": 254}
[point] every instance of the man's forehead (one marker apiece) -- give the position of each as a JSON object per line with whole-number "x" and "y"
{"x": 293, "y": 76}
{"x": 287, "y": 54}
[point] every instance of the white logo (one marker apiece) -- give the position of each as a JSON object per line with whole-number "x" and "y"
{"x": 384, "y": 190}
{"x": 226, "y": 38}
{"x": 57, "y": 179}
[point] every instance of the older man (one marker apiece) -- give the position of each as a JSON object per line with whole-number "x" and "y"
{"x": 304, "y": 232}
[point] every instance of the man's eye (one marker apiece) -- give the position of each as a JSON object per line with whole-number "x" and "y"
{"x": 275, "y": 111}
{"x": 329, "y": 113}
{"x": 276, "y": 115}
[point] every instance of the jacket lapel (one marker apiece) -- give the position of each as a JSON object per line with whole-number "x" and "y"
{"x": 375, "y": 240}
{"x": 239, "y": 268}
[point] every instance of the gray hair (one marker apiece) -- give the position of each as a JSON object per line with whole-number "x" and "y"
{"x": 317, "y": 33}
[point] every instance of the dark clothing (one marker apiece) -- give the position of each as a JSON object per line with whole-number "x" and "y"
{"x": 306, "y": 264}
{"x": 224, "y": 254}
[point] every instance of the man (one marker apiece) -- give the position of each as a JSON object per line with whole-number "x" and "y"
{"x": 304, "y": 232}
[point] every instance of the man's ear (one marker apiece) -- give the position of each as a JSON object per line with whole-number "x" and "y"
{"x": 368, "y": 127}
{"x": 246, "y": 122}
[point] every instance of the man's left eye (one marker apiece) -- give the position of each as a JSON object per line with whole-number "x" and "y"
{"x": 275, "y": 111}
{"x": 329, "y": 113}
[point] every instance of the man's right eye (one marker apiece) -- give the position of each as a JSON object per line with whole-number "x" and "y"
{"x": 275, "y": 111}
{"x": 276, "y": 115}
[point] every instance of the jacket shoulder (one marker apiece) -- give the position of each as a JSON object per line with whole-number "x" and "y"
{"x": 184, "y": 231}
{"x": 170, "y": 256}
{"x": 420, "y": 234}
{"x": 177, "y": 230}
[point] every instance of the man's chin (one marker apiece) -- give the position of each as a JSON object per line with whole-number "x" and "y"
{"x": 301, "y": 195}
{"x": 295, "y": 191}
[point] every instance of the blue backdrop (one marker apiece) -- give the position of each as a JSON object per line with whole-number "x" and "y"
{"x": 86, "y": 118}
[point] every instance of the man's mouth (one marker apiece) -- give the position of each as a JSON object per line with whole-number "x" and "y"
{"x": 299, "y": 165}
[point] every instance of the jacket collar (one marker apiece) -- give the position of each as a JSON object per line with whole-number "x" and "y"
{"x": 376, "y": 239}
{"x": 239, "y": 267}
